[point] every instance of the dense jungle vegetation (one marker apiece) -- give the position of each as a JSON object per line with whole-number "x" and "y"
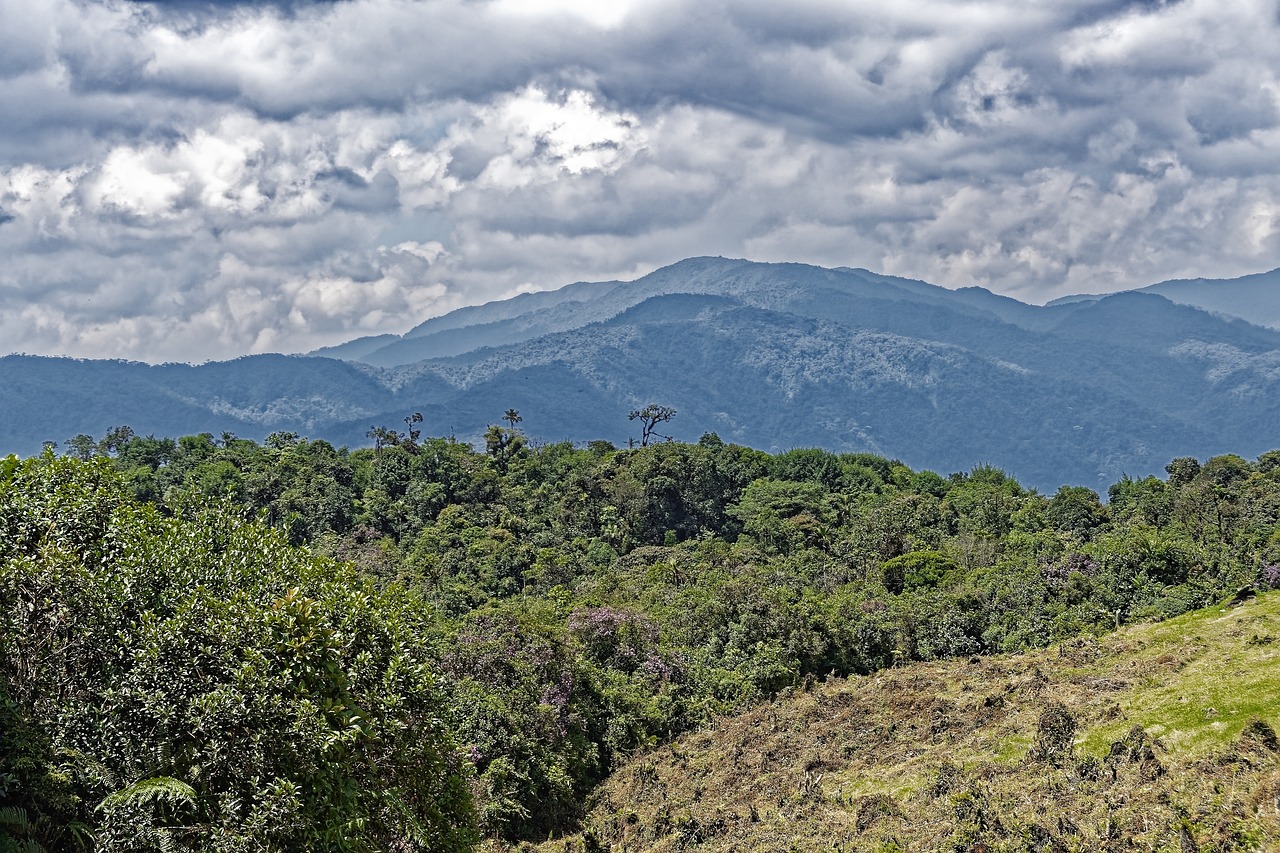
{"x": 214, "y": 644}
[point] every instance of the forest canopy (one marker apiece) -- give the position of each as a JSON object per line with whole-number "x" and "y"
{"x": 214, "y": 644}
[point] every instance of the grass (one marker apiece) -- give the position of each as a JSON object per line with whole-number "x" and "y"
{"x": 940, "y": 756}
{"x": 1202, "y": 677}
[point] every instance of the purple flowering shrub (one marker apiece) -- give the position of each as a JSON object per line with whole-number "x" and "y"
{"x": 620, "y": 639}
{"x": 1269, "y": 576}
{"x": 524, "y": 712}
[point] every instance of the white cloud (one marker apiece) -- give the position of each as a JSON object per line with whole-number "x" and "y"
{"x": 602, "y": 14}
{"x": 543, "y": 138}
{"x": 185, "y": 183}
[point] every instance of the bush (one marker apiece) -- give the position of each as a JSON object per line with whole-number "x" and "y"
{"x": 918, "y": 570}
{"x": 1055, "y": 735}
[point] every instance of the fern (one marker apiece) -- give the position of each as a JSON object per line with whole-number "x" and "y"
{"x": 14, "y": 823}
{"x": 8, "y": 845}
{"x": 162, "y": 838}
{"x": 146, "y": 791}
{"x": 87, "y": 767}
{"x": 81, "y": 834}
{"x": 410, "y": 824}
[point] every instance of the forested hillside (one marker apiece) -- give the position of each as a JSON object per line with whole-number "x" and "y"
{"x": 1251, "y": 297}
{"x": 534, "y": 614}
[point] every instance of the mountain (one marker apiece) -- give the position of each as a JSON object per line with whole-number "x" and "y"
{"x": 859, "y": 295}
{"x": 54, "y": 398}
{"x": 769, "y": 355}
{"x": 1255, "y": 298}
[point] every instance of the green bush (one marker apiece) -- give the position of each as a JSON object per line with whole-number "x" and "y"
{"x": 919, "y": 570}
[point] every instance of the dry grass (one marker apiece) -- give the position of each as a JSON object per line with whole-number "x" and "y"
{"x": 944, "y": 756}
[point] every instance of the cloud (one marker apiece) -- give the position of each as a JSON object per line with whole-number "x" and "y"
{"x": 194, "y": 180}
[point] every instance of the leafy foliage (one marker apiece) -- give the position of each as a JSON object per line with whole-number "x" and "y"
{"x": 551, "y": 610}
{"x": 190, "y": 681}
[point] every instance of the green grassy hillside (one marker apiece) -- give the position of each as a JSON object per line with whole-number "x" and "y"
{"x": 1158, "y": 737}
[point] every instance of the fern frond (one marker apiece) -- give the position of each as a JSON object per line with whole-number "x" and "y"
{"x": 162, "y": 839}
{"x": 14, "y": 818}
{"x": 82, "y": 834}
{"x": 411, "y": 824}
{"x": 13, "y": 823}
{"x": 145, "y": 791}
{"x": 82, "y": 765}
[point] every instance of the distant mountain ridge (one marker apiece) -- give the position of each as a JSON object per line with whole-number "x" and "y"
{"x": 1253, "y": 298}
{"x": 531, "y": 315}
{"x": 770, "y": 355}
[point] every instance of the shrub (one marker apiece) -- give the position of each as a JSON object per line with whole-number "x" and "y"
{"x": 1055, "y": 735}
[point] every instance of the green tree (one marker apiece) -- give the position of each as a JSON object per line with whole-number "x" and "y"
{"x": 650, "y": 417}
{"x": 1076, "y": 510}
{"x": 202, "y": 686}
{"x": 115, "y": 439}
{"x": 503, "y": 444}
{"x": 919, "y": 570}
{"x": 81, "y": 447}
{"x": 783, "y": 516}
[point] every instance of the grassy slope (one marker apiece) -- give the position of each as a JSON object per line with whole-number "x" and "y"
{"x": 942, "y": 756}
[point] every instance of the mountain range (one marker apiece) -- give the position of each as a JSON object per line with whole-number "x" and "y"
{"x": 1255, "y": 298}
{"x": 774, "y": 356}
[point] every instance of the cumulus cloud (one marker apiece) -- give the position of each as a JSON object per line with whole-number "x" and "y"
{"x": 200, "y": 180}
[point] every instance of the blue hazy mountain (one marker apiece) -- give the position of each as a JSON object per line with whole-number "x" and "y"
{"x": 769, "y": 355}
{"x": 860, "y": 296}
{"x": 1254, "y": 298}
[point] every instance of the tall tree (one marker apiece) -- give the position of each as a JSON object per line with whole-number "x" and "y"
{"x": 650, "y": 416}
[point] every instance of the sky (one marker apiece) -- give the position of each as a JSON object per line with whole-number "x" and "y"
{"x": 201, "y": 180}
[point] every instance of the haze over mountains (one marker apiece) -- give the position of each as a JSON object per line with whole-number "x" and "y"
{"x": 1255, "y": 298}
{"x": 769, "y": 355}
